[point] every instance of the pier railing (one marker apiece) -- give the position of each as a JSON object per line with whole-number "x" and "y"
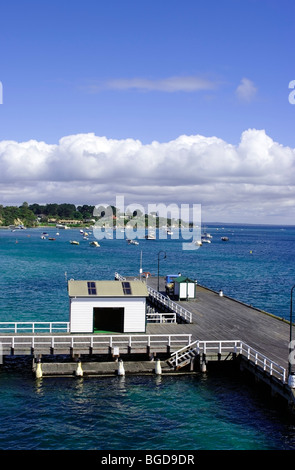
{"x": 26, "y": 344}
{"x": 236, "y": 347}
{"x": 161, "y": 317}
{"x": 182, "y": 312}
{"x": 34, "y": 327}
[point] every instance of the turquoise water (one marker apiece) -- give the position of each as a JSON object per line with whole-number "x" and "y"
{"x": 130, "y": 413}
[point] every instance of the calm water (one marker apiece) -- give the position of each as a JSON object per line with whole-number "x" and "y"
{"x": 204, "y": 412}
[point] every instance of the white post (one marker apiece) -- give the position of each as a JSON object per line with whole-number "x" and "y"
{"x": 121, "y": 370}
{"x": 79, "y": 371}
{"x": 39, "y": 372}
{"x": 158, "y": 369}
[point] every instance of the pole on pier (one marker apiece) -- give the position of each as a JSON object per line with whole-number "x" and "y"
{"x": 164, "y": 257}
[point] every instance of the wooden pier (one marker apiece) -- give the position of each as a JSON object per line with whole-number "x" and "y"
{"x": 261, "y": 339}
{"x": 211, "y": 328}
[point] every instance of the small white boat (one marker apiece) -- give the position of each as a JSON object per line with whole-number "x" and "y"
{"x": 132, "y": 242}
{"x": 205, "y": 240}
{"x": 74, "y": 242}
{"x": 94, "y": 243}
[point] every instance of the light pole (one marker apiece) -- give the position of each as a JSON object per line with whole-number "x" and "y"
{"x": 159, "y": 266}
{"x": 291, "y": 320}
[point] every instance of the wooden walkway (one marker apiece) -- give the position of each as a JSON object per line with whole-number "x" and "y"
{"x": 222, "y": 318}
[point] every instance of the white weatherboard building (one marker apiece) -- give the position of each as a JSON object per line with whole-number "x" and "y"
{"x": 107, "y": 306}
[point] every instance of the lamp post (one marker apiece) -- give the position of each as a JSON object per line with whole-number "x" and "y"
{"x": 159, "y": 266}
{"x": 291, "y": 321}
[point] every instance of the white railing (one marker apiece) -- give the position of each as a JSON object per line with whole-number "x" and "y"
{"x": 34, "y": 327}
{"x": 161, "y": 317}
{"x": 263, "y": 362}
{"x": 92, "y": 341}
{"x": 235, "y": 346}
{"x": 176, "y": 308}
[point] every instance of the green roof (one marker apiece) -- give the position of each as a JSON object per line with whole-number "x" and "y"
{"x": 183, "y": 279}
{"x": 107, "y": 289}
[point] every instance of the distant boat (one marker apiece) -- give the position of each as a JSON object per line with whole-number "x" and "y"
{"x": 150, "y": 236}
{"x": 43, "y": 237}
{"x": 51, "y": 238}
{"x": 225, "y": 239}
{"x": 207, "y": 235}
{"x": 132, "y": 242}
{"x": 205, "y": 240}
{"x": 94, "y": 243}
{"x": 74, "y": 242}
{"x": 198, "y": 242}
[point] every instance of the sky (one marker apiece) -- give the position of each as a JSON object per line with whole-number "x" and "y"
{"x": 159, "y": 101}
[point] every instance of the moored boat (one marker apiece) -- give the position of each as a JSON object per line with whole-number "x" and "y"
{"x": 94, "y": 243}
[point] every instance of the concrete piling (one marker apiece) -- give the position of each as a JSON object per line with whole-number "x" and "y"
{"x": 121, "y": 370}
{"x": 158, "y": 369}
{"x": 79, "y": 370}
{"x": 38, "y": 372}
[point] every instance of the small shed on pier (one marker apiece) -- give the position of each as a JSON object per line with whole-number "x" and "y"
{"x": 184, "y": 288}
{"x": 107, "y": 306}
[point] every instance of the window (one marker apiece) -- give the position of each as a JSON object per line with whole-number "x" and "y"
{"x": 91, "y": 288}
{"x": 126, "y": 288}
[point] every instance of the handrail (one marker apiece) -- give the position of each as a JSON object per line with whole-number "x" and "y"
{"x": 235, "y": 346}
{"x": 181, "y": 311}
{"x": 91, "y": 341}
{"x": 161, "y": 317}
{"x": 34, "y": 327}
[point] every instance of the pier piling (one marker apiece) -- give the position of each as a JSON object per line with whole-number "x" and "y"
{"x": 158, "y": 368}
{"x": 121, "y": 370}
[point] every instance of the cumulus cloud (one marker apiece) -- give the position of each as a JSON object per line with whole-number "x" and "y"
{"x": 246, "y": 90}
{"x": 254, "y": 176}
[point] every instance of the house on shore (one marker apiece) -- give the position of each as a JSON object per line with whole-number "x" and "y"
{"x": 107, "y": 306}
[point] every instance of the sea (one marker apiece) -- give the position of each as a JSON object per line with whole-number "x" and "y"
{"x": 202, "y": 412}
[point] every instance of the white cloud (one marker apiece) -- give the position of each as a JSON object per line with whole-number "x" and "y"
{"x": 252, "y": 179}
{"x": 170, "y": 84}
{"x": 246, "y": 90}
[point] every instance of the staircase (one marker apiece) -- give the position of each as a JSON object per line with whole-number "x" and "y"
{"x": 184, "y": 356}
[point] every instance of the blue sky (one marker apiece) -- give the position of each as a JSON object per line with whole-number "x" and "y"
{"x": 148, "y": 71}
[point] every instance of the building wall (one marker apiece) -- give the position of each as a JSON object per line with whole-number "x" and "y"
{"x": 81, "y": 313}
{"x": 181, "y": 290}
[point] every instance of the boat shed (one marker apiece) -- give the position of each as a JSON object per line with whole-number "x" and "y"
{"x": 107, "y": 306}
{"x": 184, "y": 288}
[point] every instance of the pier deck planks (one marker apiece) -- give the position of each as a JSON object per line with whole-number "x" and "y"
{"x": 223, "y": 318}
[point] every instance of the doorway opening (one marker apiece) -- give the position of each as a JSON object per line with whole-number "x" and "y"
{"x": 108, "y": 319}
